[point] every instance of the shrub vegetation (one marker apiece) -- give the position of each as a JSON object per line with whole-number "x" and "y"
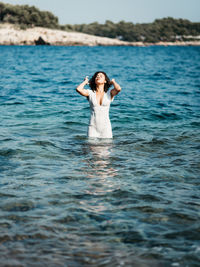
{"x": 28, "y": 16}
{"x": 166, "y": 29}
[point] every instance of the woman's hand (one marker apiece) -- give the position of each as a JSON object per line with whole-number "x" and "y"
{"x": 112, "y": 81}
{"x": 86, "y": 80}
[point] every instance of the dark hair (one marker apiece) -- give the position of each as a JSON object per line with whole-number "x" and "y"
{"x": 92, "y": 83}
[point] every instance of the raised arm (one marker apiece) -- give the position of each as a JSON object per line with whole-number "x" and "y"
{"x": 116, "y": 88}
{"x": 80, "y": 88}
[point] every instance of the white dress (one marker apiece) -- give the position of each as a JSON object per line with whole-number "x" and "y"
{"x": 99, "y": 125}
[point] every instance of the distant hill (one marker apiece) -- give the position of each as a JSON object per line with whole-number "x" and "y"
{"x": 27, "y": 16}
{"x": 165, "y": 30}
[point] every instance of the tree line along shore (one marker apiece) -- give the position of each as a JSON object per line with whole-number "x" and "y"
{"x": 27, "y": 25}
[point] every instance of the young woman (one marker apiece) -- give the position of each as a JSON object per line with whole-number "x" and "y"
{"x": 99, "y": 98}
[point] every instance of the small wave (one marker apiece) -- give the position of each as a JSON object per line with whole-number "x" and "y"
{"x": 130, "y": 236}
{"x": 148, "y": 209}
{"x": 43, "y": 143}
{"x": 157, "y": 74}
{"x": 149, "y": 198}
{"x": 182, "y": 217}
{"x": 77, "y": 123}
{"x": 18, "y": 206}
{"x": 7, "y": 152}
{"x": 191, "y": 233}
{"x": 119, "y": 193}
{"x": 47, "y": 68}
{"x": 195, "y": 123}
{"x": 157, "y": 141}
{"x": 12, "y": 103}
{"x": 64, "y": 82}
{"x": 165, "y": 116}
{"x": 6, "y": 195}
{"x": 184, "y": 93}
{"x": 40, "y": 80}
{"x": 161, "y": 105}
{"x": 6, "y": 139}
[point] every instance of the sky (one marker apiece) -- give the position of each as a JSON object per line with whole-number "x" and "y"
{"x": 136, "y": 11}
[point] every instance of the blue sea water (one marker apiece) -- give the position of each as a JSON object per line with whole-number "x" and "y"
{"x": 133, "y": 201}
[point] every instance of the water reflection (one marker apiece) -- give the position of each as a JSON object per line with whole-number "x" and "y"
{"x": 99, "y": 159}
{"x": 99, "y": 169}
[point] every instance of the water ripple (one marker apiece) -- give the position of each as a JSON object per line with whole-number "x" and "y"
{"x": 69, "y": 201}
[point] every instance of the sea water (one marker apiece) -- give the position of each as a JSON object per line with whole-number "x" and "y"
{"x": 130, "y": 201}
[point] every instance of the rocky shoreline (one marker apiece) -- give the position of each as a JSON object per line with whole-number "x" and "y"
{"x": 13, "y": 35}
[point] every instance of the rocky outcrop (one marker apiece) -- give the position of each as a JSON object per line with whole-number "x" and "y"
{"x": 12, "y": 35}
{"x": 41, "y": 41}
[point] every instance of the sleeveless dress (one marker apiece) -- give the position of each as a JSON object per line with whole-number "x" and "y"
{"x": 99, "y": 125}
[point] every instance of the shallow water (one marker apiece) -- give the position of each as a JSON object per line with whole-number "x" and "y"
{"x": 132, "y": 201}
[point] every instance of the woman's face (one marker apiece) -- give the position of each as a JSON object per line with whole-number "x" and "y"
{"x": 100, "y": 78}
